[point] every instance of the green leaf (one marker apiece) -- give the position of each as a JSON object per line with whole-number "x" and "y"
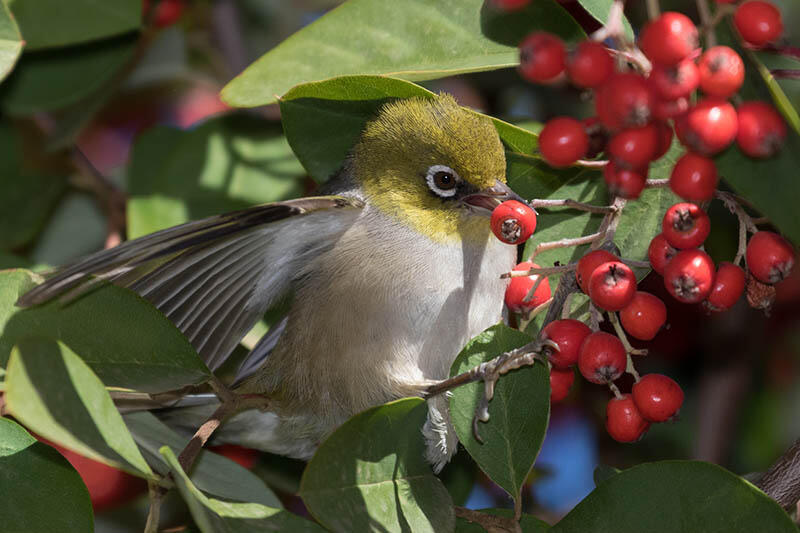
{"x": 48, "y": 80}
{"x": 124, "y": 339}
{"x": 528, "y": 523}
{"x": 519, "y": 411}
{"x": 47, "y": 23}
{"x": 53, "y": 392}
{"x": 218, "y": 516}
{"x": 41, "y": 491}
{"x": 413, "y": 40}
{"x": 212, "y": 473}
{"x": 676, "y": 496}
{"x": 511, "y": 27}
{"x": 370, "y": 475}
{"x": 323, "y": 120}
{"x": 758, "y": 180}
{"x": 22, "y": 186}
{"x": 599, "y": 9}
{"x": 10, "y": 41}
{"x": 228, "y": 163}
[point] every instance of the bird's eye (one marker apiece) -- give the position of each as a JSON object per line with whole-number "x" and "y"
{"x": 442, "y": 180}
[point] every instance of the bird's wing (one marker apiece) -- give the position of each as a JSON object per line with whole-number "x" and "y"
{"x": 213, "y": 278}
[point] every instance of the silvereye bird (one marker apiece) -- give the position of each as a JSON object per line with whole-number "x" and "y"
{"x": 389, "y": 275}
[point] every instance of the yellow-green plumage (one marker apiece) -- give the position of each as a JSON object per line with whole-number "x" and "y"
{"x": 408, "y": 137}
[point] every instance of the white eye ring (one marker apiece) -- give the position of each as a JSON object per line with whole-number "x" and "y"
{"x": 434, "y": 179}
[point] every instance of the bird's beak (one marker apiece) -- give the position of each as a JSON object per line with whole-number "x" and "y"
{"x": 486, "y": 200}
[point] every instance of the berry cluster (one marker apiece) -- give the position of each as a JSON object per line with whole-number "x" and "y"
{"x": 643, "y": 96}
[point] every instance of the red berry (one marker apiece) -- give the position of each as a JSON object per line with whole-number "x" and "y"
{"x": 518, "y": 289}
{"x": 689, "y": 276}
{"x": 728, "y": 287}
{"x": 694, "y": 177}
{"x": 569, "y": 334}
{"x": 244, "y": 457}
{"x": 624, "y": 101}
{"x": 560, "y": 383}
{"x": 563, "y": 141}
{"x": 644, "y": 317}
{"x": 590, "y": 64}
{"x": 761, "y": 129}
{"x": 602, "y": 358}
{"x": 721, "y": 71}
{"x": 685, "y": 225}
{"x": 770, "y": 257}
{"x": 657, "y": 397}
{"x": 612, "y": 286}
{"x": 635, "y": 147}
{"x": 513, "y": 222}
{"x": 758, "y": 22}
{"x": 669, "y": 38}
{"x": 623, "y": 182}
{"x": 707, "y": 127}
{"x": 167, "y": 12}
{"x": 675, "y": 81}
{"x": 660, "y": 253}
{"x": 588, "y": 263}
{"x": 623, "y": 421}
{"x": 664, "y": 139}
{"x": 541, "y": 57}
{"x": 510, "y": 5}
{"x": 598, "y": 136}
{"x": 664, "y": 109}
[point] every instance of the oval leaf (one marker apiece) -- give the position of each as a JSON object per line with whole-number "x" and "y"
{"x": 676, "y": 496}
{"x": 370, "y": 474}
{"x": 53, "y": 392}
{"x": 42, "y": 492}
{"x": 10, "y": 41}
{"x": 519, "y": 411}
{"x": 323, "y": 120}
{"x": 47, "y": 23}
{"x": 218, "y": 516}
{"x": 124, "y": 339}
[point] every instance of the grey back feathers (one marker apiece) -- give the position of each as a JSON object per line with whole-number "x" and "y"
{"x": 213, "y": 278}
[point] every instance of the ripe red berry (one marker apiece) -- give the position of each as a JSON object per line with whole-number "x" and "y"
{"x": 758, "y": 22}
{"x": 660, "y": 252}
{"x": 664, "y": 138}
{"x": 602, "y": 358}
{"x": 761, "y": 129}
{"x": 770, "y": 257}
{"x": 708, "y": 127}
{"x": 669, "y": 38}
{"x": 694, "y": 177}
{"x": 665, "y": 109}
{"x": 685, "y": 225}
{"x": 562, "y": 141}
{"x": 728, "y": 287}
{"x": 541, "y": 57}
{"x": 657, "y": 397}
{"x": 612, "y": 286}
{"x": 644, "y": 317}
{"x": 588, "y": 263}
{"x": 167, "y": 12}
{"x": 513, "y": 222}
{"x": 721, "y": 71}
{"x": 510, "y": 5}
{"x": 624, "y": 101}
{"x": 518, "y": 289}
{"x": 623, "y": 182}
{"x": 590, "y": 64}
{"x": 689, "y": 276}
{"x": 634, "y": 147}
{"x": 569, "y": 334}
{"x": 560, "y": 383}
{"x": 623, "y": 421}
{"x": 674, "y": 81}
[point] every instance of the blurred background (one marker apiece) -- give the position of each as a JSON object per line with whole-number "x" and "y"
{"x": 134, "y": 138}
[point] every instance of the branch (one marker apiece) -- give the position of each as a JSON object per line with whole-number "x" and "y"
{"x": 491, "y": 523}
{"x": 706, "y": 22}
{"x": 782, "y": 481}
{"x": 156, "y": 496}
{"x": 790, "y": 73}
{"x": 565, "y": 243}
{"x": 590, "y": 208}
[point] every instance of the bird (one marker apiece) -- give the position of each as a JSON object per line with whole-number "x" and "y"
{"x": 389, "y": 271}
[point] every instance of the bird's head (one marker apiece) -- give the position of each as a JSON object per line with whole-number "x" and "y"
{"x": 433, "y": 165}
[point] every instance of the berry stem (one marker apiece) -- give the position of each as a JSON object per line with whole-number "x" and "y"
{"x": 523, "y": 323}
{"x": 539, "y": 271}
{"x": 612, "y": 317}
{"x": 653, "y": 9}
{"x": 565, "y": 243}
{"x": 590, "y": 208}
{"x": 786, "y": 73}
{"x": 746, "y": 223}
{"x": 790, "y": 51}
{"x": 615, "y": 390}
{"x": 657, "y": 184}
{"x": 566, "y": 309}
{"x": 706, "y": 21}
{"x": 590, "y": 163}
